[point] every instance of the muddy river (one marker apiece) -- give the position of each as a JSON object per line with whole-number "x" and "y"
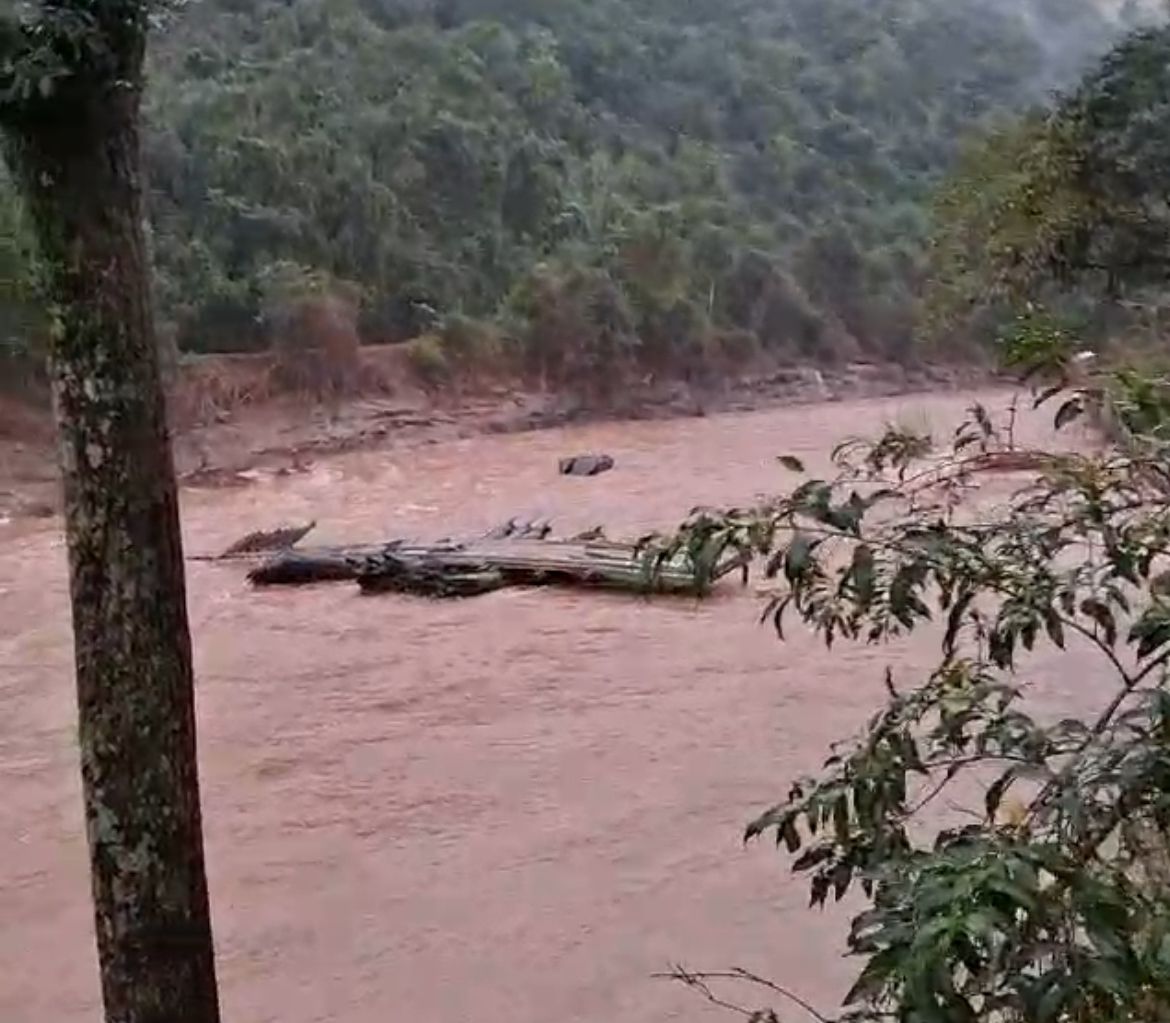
{"x": 514, "y": 808}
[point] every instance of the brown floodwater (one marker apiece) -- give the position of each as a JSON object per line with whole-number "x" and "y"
{"x": 513, "y": 808}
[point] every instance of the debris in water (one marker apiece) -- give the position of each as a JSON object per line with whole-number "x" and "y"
{"x": 515, "y": 529}
{"x": 513, "y": 554}
{"x": 278, "y": 539}
{"x": 585, "y": 465}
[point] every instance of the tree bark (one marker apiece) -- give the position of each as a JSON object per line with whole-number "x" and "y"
{"x": 75, "y": 153}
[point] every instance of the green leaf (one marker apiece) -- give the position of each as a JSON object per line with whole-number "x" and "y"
{"x": 905, "y": 604}
{"x": 1015, "y": 891}
{"x": 996, "y": 791}
{"x": 874, "y": 978}
{"x": 797, "y": 557}
{"x": 812, "y": 857}
{"x": 813, "y": 498}
{"x": 1001, "y": 647}
{"x": 1046, "y": 395}
{"x": 981, "y": 925}
{"x": 1103, "y": 616}
{"x": 1054, "y": 627}
{"x": 1067, "y": 412}
{"x": 791, "y": 463}
{"x": 955, "y": 620}
{"x": 840, "y": 878}
{"x": 841, "y": 819}
{"x": 863, "y": 572}
{"x": 1151, "y": 631}
{"x": 775, "y": 817}
{"x": 1052, "y": 1001}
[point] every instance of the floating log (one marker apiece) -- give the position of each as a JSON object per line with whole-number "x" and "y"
{"x": 479, "y": 566}
{"x": 319, "y": 565}
{"x": 529, "y": 563}
{"x": 516, "y": 553}
{"x": 426, "y": 578}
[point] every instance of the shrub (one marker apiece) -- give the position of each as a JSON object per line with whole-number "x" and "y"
{"x": 474, "y": 346}
{"x": 428, "y": 361}
{"x": 1046, "y": 901}
{"x": 311, "y": 321}
{"x": 579, "y": 331}
{"x": 733, "y": 349}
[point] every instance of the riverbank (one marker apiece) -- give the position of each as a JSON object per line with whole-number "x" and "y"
{"x": 231, "y": 430}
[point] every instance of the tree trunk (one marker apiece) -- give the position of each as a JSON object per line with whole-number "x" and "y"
{"x": 76, "y": 155}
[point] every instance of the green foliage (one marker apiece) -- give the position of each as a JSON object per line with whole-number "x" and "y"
{"x": 428, "y": 360}
{"x": 579, "y": 330}
{"x": 50, "y": 55}
{"x": 1047, "y": 899}
{"x": 1121, "y": 118}
{"x": 22, "y": 321}
{"x": 1067, "y": 206}
{"x": 475, "y": 346}
{"x": 759, "y": 167}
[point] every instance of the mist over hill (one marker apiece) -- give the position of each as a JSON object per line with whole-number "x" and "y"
{"x": 638, "y": 179}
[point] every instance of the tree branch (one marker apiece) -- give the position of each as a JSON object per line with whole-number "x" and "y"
{"x": 700, "y": 982}
{"x": 1101, "y": 645}
{"x": 1099, "y": 727}
{"x": 953, "y": 767}
{"x": 696, "y": 983}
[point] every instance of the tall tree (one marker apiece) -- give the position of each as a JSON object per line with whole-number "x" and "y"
{"x": 71, "y": 76}
{"x": 1066, "y": 208}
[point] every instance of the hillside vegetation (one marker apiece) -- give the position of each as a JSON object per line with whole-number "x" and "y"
{"x": 1062, "y": 214}
{"x": 590, "y": 183}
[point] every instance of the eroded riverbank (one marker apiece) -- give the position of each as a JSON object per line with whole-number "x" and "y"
{"x": 237, "y": 437}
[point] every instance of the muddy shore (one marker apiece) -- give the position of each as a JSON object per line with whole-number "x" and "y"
{"x": 287, "y": 434}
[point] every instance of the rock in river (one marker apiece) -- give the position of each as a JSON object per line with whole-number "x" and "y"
{"x": 585, "y": 465}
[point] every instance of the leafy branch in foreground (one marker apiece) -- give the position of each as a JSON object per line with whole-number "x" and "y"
{"x": 1046, "y": 901}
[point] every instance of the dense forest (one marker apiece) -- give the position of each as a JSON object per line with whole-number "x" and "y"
{"x": 598, "y": 180}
